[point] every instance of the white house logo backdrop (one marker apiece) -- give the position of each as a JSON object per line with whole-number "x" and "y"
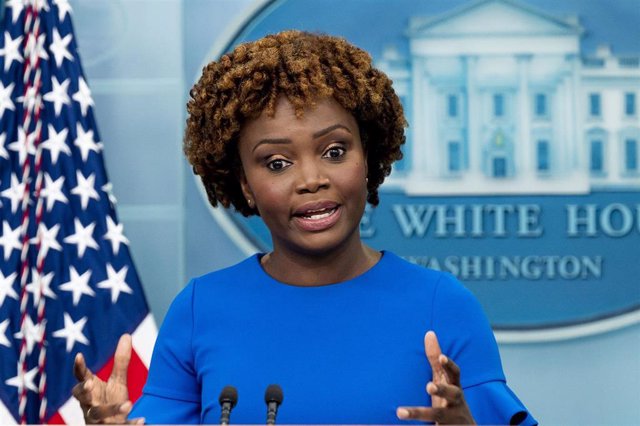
{"x": 521, "y": 173}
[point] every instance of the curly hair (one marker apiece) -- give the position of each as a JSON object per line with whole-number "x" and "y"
{"x": 304, "y": 67}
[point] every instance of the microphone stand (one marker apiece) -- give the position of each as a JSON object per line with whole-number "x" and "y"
{"x": 228, "y": 399}
{"x": 273, "y": 398}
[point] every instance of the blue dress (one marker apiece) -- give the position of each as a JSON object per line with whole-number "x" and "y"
{"x": 347, "y": 353}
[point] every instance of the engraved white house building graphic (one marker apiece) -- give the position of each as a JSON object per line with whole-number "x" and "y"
{"x": 501, "y": 101}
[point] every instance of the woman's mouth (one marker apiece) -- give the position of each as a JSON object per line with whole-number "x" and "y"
{"x": 317, "y": 219}
{"x": 319, "y": 214}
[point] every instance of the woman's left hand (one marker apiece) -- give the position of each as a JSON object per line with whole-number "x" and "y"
{"x": 448, "y": 405}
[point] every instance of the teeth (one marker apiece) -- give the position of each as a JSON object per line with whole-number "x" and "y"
{"x": 317, "y": 216}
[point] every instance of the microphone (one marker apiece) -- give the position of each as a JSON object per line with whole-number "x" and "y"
{"x": 228, "y": 399}
{"x": 273, "y": 397}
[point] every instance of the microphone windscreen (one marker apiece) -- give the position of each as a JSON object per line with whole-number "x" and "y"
{"x": 273, "y": 394}
{"x": 228, "y": 394}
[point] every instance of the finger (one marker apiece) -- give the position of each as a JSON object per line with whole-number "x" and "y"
{"x": 121, "y": 359}
{"x": 100, "y": 413}
{"x": 125, "y": 408}
{"x": 428, "y": 414}
{"x": 82, "y": 392}
{"x": 432, "y": 347}
{"x": 451, "y": 369}
{"x": 80, "y": 369}
{"x": 450, "y": 393}
{"x": 433, "y": 352}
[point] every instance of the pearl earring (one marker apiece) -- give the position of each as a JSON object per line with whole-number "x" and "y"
{"x": 249, "y": 201}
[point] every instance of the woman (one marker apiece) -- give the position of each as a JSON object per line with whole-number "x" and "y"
{"x": 301, "y": 129}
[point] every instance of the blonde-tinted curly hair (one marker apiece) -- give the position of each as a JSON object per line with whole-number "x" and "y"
{"x": 304, "y": 67}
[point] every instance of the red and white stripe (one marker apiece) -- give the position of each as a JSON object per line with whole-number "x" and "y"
{"x": 32, "y": 100}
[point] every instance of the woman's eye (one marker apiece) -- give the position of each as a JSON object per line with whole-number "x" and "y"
{"x": 276, "y": 165}
{"x": 335, "y": 152}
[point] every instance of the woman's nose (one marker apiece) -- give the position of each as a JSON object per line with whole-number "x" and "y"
{"x": 311, "y": 179}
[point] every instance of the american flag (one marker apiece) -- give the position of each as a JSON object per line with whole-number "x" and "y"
{"x": 67, "y": 282}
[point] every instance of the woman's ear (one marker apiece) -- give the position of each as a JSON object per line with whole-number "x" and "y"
{"x": 365, "y": 153}
{"x": 366, "y": 167}
{"x": 246, "y": 189}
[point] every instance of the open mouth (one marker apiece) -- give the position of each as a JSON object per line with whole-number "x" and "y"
{"x": 318, "y": 219}
{"x": 318, "y": 214}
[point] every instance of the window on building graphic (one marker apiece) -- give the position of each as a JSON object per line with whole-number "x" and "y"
{"x": 452, "y": 106}
{"x": 595, "y": 109}
{"x": 499, "y": 167}
{"x": 540, "y": 106}
{"x": 453, "y": 149}
{"x": 630, "y": 104}
{"x": 498, "y": 105}
{"x": 597, "y": 156}
{"x": 542, "y": 149}
{"x": 631, "y": 155}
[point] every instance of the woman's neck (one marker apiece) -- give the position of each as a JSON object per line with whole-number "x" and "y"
{"x": 304, "y": 269}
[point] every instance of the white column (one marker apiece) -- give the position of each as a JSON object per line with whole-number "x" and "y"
{"x": 577, "y": 118}
{"x": 473, "y": 119}
{"x": 525, "y": 157}
{"x": 578, "y": 149}
{"x": 569, "y": 114}
{"x": 614, "y": 156}
{"x": 421, "y": 122}
{"x": 561, "y": 154}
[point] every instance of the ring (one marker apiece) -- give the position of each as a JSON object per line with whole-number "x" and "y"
{"x": 88, "y": 414}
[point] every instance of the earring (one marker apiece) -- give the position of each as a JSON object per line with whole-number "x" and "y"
{"x": 249, "y": 202}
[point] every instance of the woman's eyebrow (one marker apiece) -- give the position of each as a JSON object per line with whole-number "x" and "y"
{"x": 323, "y": 132}
{"x": 276, "y": 141}
{"x": 284, "y": 141}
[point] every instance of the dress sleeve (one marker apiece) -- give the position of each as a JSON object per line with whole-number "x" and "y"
{"x": 494, "y": 403}
{"x": 172, "y": 391}
{"x": 466, "y": 337}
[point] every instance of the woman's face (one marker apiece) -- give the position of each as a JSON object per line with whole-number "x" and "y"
{"x": 306, "y": 176}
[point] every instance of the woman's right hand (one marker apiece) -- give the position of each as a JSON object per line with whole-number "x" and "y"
{"x": 105, "y": 402}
